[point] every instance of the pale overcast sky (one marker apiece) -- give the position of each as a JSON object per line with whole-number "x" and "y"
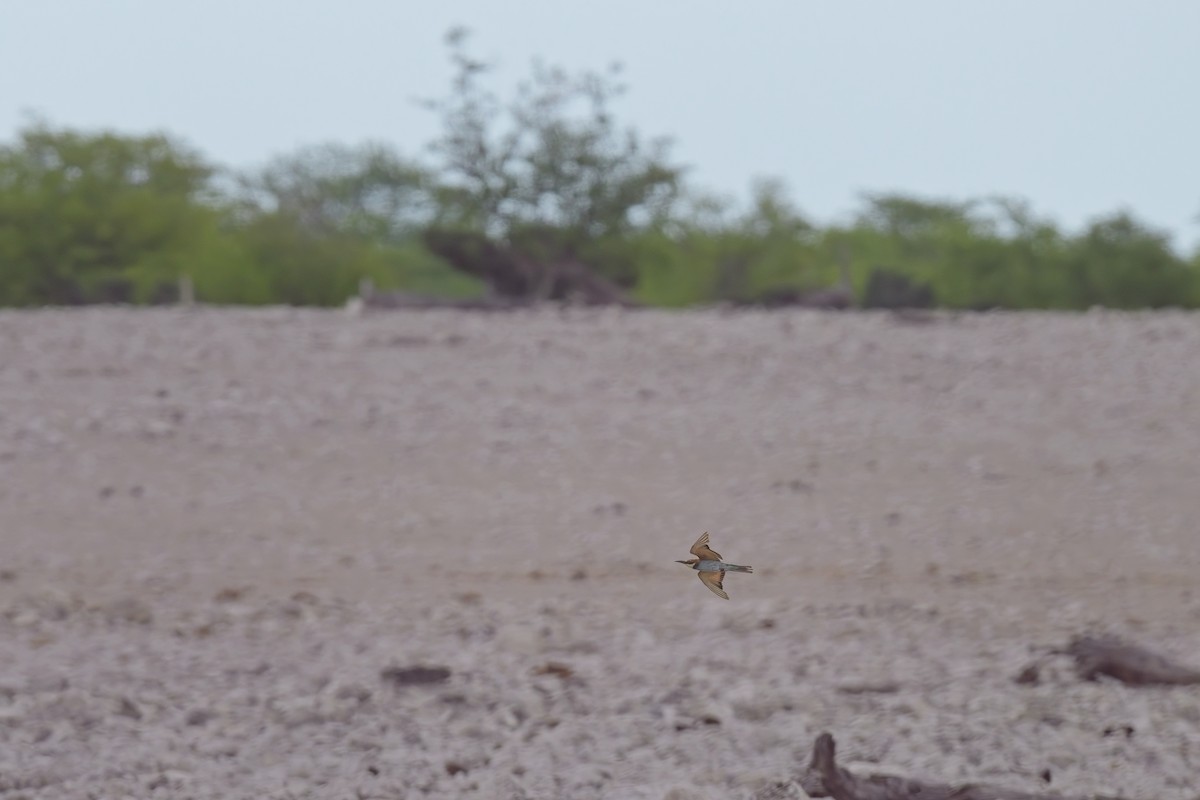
{"x": 1081, "y": 106}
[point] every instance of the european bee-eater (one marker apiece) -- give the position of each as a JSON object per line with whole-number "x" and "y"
{"x": 711, "y": 568}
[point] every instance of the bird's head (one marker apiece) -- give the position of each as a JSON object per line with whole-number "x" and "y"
{"x": 691, "y": 562}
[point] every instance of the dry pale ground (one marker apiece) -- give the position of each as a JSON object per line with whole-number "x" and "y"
{"x": 220, "y": 528}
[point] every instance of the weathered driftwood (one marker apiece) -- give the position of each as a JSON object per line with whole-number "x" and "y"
{"x": 1106, "y": 655}
{"x": 824, "y": 778}
{"x": 1109, "y": 656}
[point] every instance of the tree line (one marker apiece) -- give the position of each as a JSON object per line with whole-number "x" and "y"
{"x": 539, "y": 196}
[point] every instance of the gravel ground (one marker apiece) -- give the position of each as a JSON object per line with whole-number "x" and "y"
{"x": 227, "y": 537}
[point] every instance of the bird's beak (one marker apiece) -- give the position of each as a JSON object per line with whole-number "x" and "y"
{"x": 680, "y": 562}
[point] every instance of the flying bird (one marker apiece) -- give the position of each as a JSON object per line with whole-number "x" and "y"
{"x": 710, "y": 567}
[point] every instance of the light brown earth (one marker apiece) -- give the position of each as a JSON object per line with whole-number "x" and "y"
{"x": 219, "y": 528}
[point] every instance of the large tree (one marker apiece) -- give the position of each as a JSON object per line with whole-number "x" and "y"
{"x": 549, "y": 177}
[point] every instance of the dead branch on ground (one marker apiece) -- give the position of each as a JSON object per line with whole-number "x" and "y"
{"x": 824, "y": 778}
{"x": 1129, "y": 663}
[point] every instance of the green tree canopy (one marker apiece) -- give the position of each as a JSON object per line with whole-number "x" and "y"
{"x": 367, "y": 191}
{"x": 1122, "y": 263}
{"x": 549, "y": 174}
{"x": 538, "y": 194}
{"x": 319, "y": 220}
{"x": 98, "y": 216}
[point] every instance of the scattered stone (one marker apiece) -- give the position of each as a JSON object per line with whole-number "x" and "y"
{"x": 231, "y": 594}
{"x": 868, "y": 687}
{"x": 1030, "y": 675}
{"x": 198, "y": 716}
{"x": 129, "y": 609}
{"x": 556, "y": 669}
{"x": 795, "y": 486}
{"x": 127, "y": 708}
{"x": 415, "y": 676}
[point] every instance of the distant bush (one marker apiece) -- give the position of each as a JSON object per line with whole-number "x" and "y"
{"x": 547, "y": 186}
{"x": 100, "y": 217}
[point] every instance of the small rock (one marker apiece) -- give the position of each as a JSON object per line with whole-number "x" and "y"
{"x": 198, "y": 716}
{"x": 127, "y": 708}
{"x": 869, "y": 687}
{"x": 1114, "y": 730}
{"x": 415, "y": 676}
{"x": 230, "y": 594}
{"x": 1030, "y": 675}
{"x": 129, "y": 609}
{"x": 556, "y": 669}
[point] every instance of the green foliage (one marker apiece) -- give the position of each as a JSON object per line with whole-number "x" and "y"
{"x": 713, "y": 255}
{"x": 552, "y": 162}
{"x": 673, "y": 272}
{"x": 316, "y": 222}
{"x": 366, "y": 192}
{"x": 414, "y": 269}
{"x": 546, "y": 178}
{"x": 992, "y": 253}
{"x": 300, "y": 265}
{"x": 1121, "y": 263}
{"x": 228, "y": 274}
{"x": 96, "y": 217}
{"x": 996, "y": 254}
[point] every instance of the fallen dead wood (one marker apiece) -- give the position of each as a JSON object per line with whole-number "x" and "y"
{"x": 1128, "y": 663}
{"x": 1109, "y": 656}
{"x": 824, "y": 778}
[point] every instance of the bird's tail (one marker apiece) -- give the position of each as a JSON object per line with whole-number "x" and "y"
{"x": 736, "y": 568}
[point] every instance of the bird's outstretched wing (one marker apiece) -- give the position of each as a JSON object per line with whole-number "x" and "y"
{"x": 702, "y": 551}
{"x": 714, "y": 581}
